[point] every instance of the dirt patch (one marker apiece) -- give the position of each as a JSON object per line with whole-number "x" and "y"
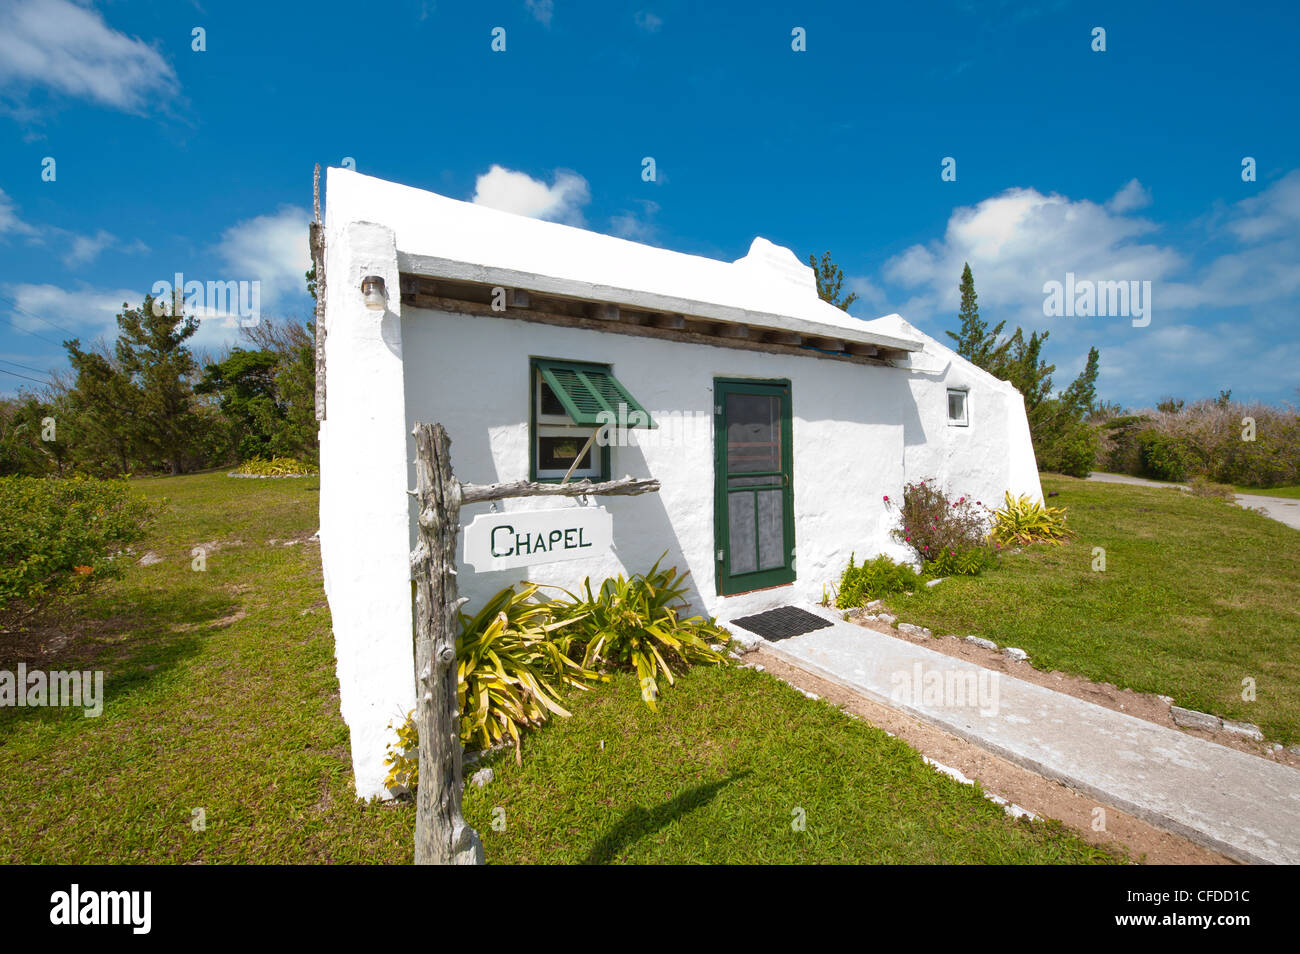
{"x": 1152, "y": 708}
{"x": 220, "y": 623}
{"x": 1044, "y": 797}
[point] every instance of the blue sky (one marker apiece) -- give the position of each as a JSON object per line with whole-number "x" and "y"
{"x": 1122, "y": 165}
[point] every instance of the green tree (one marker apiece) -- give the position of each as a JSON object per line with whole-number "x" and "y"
{"x": 24, "y": 447}
{"x": 976, "y": 342}
{"x": 830, "y": 282}
{"x": 100, "y": 408}
{"x": 294, "y": 346}
{"x": 1063, "y": 441}
{"x": 244, "y": 384}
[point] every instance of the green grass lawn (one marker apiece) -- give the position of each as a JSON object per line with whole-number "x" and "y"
{"x": 221, "y": 696}
{"x": 1197, "y": 595}
{"x": 1292, "y": 492}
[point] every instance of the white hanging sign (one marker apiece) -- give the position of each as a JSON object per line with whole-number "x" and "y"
{"x": 500, "y": 541}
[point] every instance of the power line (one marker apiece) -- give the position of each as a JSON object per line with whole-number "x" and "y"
{"x": 29, "y": 314}
{"x": 23, "y": 376}
{"x": 25, "y": 331}
{"x": 25, "y": 367}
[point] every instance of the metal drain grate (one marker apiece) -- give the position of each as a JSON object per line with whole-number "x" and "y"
{"x": 782, "y": 623}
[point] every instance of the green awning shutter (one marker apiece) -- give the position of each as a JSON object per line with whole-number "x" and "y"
{"x": 586, "y": 391}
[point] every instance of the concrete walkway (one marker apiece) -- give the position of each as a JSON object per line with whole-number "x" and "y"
{"x": 1282, "y": 509}
{"x": 1241, "y": 805}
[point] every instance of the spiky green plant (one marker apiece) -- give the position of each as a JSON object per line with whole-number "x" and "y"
{"x": 1024, "y": 520}
{"x": 511, "y": 661}
{"x": 275, "y": 467}
{"x": 637, "y": 624}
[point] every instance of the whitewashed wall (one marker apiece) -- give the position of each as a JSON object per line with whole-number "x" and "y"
{"x": 859, "y": 432}
{"x": 363, "y": 501}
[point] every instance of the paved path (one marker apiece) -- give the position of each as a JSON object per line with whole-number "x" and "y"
{"x": 1239, "y": 804}
{"x": 1282, "y": 509}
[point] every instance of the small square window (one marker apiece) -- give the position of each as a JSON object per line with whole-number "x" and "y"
{"x": 572, "y": 403}
{"x": 557, "y": 440}
{"x": 957, "y": 410}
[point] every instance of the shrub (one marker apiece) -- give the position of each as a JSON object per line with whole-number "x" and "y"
{"x": 1069, "y": 447}
{"x": 1119, "y": 451}
{"x": 517, "y": 652}
{"x": 53, "y": 531}
{"x": 932, "y": 524}
{"x": 1200, "y": 487}
{"x": 636, "y": 624}
{"x": 403, "y": 759}
{"x": 1023, "y": 520}
{"x": 970, "y": 562}
{"x": 1207, "y": 439}
{"x": 275, "y": 467}
{"x": 1164, "y": 456}
{"x": 510, "y": 665}
{"x": 860, "y": 585}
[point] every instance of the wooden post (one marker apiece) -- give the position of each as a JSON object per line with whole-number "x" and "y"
{"x": 316, "y": 239}
{"x": 441, "y": 835}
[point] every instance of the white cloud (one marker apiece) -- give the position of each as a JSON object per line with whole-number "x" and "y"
{"x": 1221, "y": 313}
{"x": 69, "y": 48}
{"x": 873, "y": 298}
{"x": 1133, "y": 196}
{"x": 271, "y": 249}
{"x": 87, "y": 312}
{"x": 81, "y": 249}
{"x": 647, "y": 21}
{"x": 85, "y": 248}
{"x": 518, "y": 192}
{"x": 1274, "y": 212}
{"x": 636, "y": 227}
{"x": 10, "y": 223}
{"x": 542, "y": 10}
{"x": 1020, "y": 239}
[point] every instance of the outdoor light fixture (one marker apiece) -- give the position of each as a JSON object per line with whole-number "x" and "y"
{"x": 372, "y": 289}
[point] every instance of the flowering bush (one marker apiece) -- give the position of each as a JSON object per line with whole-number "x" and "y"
{"x": 947, "y": 536}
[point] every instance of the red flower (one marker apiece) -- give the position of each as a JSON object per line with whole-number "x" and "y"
{"x": 886, "y": 498}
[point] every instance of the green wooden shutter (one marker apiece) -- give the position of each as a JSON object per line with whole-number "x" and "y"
{"x": 587, "y": 390}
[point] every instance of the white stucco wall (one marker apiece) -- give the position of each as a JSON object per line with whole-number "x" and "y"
{"x": 859, "y": 432}
{"x": 364, "y": 516}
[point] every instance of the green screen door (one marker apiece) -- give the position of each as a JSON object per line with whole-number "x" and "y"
{"x": 754, "y": 513}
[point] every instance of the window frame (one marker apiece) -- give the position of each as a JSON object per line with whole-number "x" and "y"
{"x": 964, "y": 420}
{"x": 557, "y": 425}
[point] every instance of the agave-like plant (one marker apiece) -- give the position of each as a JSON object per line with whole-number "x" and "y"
{"x": 636, "y": 624}
{"x": 511, "y": 660}
{"x": 1024, "y": 520}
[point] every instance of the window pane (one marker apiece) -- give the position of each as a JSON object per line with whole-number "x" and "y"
{"x": 557, "y": 453}
{"x": 771, "y": 529}
{"x": 550, "y": 403}
{"x": 740, "y": 517}
{"x": 956, "y": 405}
{"x": 753, "y": 433}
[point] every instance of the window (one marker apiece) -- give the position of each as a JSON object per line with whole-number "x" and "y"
{"x": 957, "y": 407}
{"x": 572, "y": 403}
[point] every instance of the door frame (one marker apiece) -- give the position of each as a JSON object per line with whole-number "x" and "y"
{"x": 728, "y": 585}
